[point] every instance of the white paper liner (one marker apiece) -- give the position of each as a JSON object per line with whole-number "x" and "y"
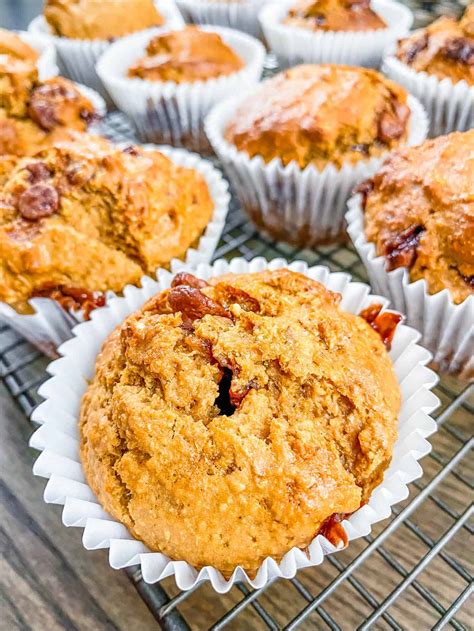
{"x": 301, "y": 206}
{"x": 77, "y": 57}
{"x": 239, "y": 14}
{"x": 57, "y": 438}
{"x": 47, "y": 60}
{"x": 293, "y": 45}
{"x": 447, "y": 329}
{"x": 170, "y": 112}
{"x": 51, "y": 325}
{"x": 450, "y": 106}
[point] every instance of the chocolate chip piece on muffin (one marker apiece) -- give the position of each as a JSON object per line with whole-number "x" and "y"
{"x": 96, "y": 19}
{"x": 419, "y": 213}
{"x": 320, "y": 115}
{"x": 12, "y": 45}
{"x": 88, "y": 215}
{"x": 334, "y": 15}
{"x": 187, "y": 55}
{"x": 228, "y": 422}
{"x": 36, "y": 114}
{"x": 444, "y": 49}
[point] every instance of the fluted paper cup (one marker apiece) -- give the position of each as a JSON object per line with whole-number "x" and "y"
{"x": 294, "y": 45}
{"x": 47, "y": 54}
{"x": 447, "y": 329}
{"x": 239, "y": 14}
{"x": 57, "y": 438}
{"x": 77, "y": 57}
{"x": 306, "y": 206}
{"x": 168, "y": 112}
{"x": 450, "y": 106}
{"x": 50, "y": 325}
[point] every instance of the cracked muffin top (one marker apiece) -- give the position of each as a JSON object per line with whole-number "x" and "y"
{"x": 320, "y": 114}
{"x": 96, "y": 19}
{"x": 445, "y": 48}
{"x": 334, "y": 15}
{"x": 186, "y": 55}
{"x": 227, "y": 422}
{"x": 36, "y": 114}
{"x": 87, "y": 215}
{"x": 11, "y": 44}
{"x": 419, "y": 212}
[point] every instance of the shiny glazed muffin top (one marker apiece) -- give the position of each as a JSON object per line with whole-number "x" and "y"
{"x": 321, "y": 114}
{"x": 186, "y": 55}
{"x": 419, "y": 212}
{"x": 100, "y": 19}
{"x": 12, "y": 44}
{"x": 88, "y": 214}
{"x": 228, "y": 421}
{"x": 445, "y": 48}
{"x": 334, "y": 15}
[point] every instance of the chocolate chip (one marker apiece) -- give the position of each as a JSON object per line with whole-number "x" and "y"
{"x": 38, "y": 201}
{"x": 362, "y": 148}
{"x": 460, "y": 49}
{"x": 89, "y": 116}
{"x": 385, "y": 324}
{"x": 184, "y": 278}
{"x": 193, "y": 304}
{"x": 365, "y": 188}
{"x": 43, "y": 113}
{"x": 402, "y": 250}
{"x": 416, "y": 47}
{"x": 392, "y": 124}
{"x": 469, "y": 280}
{"x": 38, "y": 172}
{"x": 130, "y": 149}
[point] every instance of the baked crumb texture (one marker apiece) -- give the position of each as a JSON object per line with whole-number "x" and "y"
{"x": 99, "y": 19}
{"x": 445, "y": 48}
{"x": 229, "y": 421}
{"x": 334, "y": 15}
{"x": 419, "y": 212}
{"x": 87, "y": 216}
{"x": 321, "y": 114}
{"x": 186, "y": 55}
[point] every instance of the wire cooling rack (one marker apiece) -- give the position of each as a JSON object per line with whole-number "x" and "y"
{"x": 413, "y": 572}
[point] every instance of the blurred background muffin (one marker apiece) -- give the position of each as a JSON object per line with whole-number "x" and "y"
{"x": 334, "y": 15}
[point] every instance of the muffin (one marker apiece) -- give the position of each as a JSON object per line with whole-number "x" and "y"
{"x": 334, "y": 15}
{"x": 295, "y": 419}
{"x": 419, "y": 213}
{"x": 88, "y": 216}
{"x": 11, "y": 44}
{"x": 95, "y": 19}
{"x": 167, "y": 82}
{"x": 316, "y": 115}
{"x": 444, "y": 49}
{"x": 241, "y": 15}
{"x": 185, "y": 56}
{"x": 37, "y": 114}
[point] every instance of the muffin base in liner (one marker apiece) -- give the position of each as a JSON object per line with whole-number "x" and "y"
{"x": 46, "y": 64}
{"x": 57, "y": 438}
{"x": 304, "y": 207}
{"x": 167, "y": 112}
{"x": 241, "y": 14}
{"x": 450, "y": 106}
{"x": 293, "y": 45}
{"x": 50, "y": 325}
{"x": 447, "y": 329}
{"x": 77, "y": 57}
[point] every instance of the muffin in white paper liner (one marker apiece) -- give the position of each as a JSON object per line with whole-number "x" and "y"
{"x": 301, "y": 206}
{"x": 168, "y": 112}
{"x": 50, "y": 325}
{"x": 447, "y": 329}
{"x": 239, "y": 14}
{"x": 294, "y": 45}
{"x": 77, "y": 57}
{"x": 450, "y": 106}
{"x": 47, "y": 54}
{"x": 57, "y": 438}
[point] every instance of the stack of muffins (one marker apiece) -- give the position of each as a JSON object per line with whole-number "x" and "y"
{"x": 246, "y": 413}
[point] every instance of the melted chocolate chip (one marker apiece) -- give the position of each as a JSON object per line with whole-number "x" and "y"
{"x": 469, "y": 280}
{"x": 416, "y": 47}
{"x": 402, "y": 250}
{"x": 130, "y": 149}
{"x": 72, "y": 298}
{"x": 38, "y": 201}
{"x": 88, "y": 116}
{"x": 365, "y": 188}
{"x": 38, "y": 171}
{"x": 43, "y": 113}
{"x": 384, "y": 324}
{"x": 333, "y": 529}
{"x": 193, "y": 304}
{"x": 460, "y": 49}
{"x": 392, "y": 124}
{"x": 362, "y": 148}
{"x": 184, "y": 278}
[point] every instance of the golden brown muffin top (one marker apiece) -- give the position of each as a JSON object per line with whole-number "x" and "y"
{"x": 228, "y": 421}
{"x": 445, "y": 48}
{"x": 12, "y": 44}
{"x": 186, "y": 55}
{"x": 334, "y": 15}
{"x": 419, "y": 212}
{"x": 88, "y": 214}
{"x": 35, "y": 114}
{"x": 100, "y": 19}
{"x": 320, "y": 114}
